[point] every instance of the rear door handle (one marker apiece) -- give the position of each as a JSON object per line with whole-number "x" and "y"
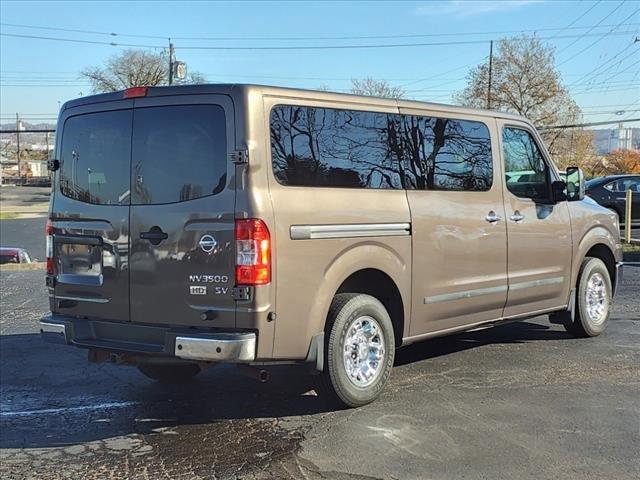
{"x": 155, "y": 235}
{"x": 517, "y": 217}
{"x": 492, "y": 217}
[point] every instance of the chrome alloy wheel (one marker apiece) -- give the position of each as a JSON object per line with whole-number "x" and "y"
{"x": 363, "y": 351}
{"x": 597, "y": 298}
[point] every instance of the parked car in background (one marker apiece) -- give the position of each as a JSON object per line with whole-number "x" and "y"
{"x": 14, "y": 255}
{"x": 611, "y": 192}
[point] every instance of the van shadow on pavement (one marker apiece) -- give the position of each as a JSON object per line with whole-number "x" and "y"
{"x": 52, "y": 397}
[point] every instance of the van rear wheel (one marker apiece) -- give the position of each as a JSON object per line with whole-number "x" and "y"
{"x": 169, "y": 373}
{"x": 359, "y": 350}
{"x": 593, "y": 302}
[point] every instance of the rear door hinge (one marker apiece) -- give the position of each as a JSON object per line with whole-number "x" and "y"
{"x": 239, "y": 157}
{"x": 241, "y": 293}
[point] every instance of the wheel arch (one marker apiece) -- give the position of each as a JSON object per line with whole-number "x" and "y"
{"x": 358, "y": 269}
{"x": 599, "y": 243}
{"x": 378, "y": 284}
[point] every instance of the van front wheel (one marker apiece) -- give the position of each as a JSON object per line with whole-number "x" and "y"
{"x": 169, "y": 373}
{"x": 593, "y": 303}
{"x": 360, "y": 349}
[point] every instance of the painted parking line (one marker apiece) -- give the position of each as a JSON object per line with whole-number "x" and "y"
{"x": 79, "y": 408}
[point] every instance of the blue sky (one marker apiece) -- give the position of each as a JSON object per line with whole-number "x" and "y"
{"x": 35, "y": 74}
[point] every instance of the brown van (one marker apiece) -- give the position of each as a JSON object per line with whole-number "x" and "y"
{"x": 194, "y": 225}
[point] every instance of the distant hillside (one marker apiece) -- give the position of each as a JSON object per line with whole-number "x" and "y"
{"x": 25, "y": 136}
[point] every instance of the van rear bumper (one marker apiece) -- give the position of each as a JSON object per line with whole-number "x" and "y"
{"x": 150, "y": 340}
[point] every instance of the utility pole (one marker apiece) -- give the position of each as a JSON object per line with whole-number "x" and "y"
{"x": 170, "y": 62}
{"x": 490, "y": 73}
{"x": 18, "y": 142}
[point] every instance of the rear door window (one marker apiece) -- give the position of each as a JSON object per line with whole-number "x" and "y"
{"x": 178, "y": 154}
{"x": 96, "y": 148}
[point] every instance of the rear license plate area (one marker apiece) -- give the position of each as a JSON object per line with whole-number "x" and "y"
{"x": 78, "y": 259}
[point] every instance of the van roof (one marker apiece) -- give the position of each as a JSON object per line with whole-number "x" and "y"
{"x": 228, "y": 88}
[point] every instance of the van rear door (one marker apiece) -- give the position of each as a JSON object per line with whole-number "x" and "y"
{"x": 90, "y": 213}
{"x": 182, "y": 262}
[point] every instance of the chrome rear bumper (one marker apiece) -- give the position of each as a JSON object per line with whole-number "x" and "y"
{"x": 157, "y": 341}
{"x": 220, "y": 348}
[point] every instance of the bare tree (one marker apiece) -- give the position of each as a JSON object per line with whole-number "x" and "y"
{"x": 525, "y": 81}
{"x": 375, "y": 88}
{"x": 133, "y": 68}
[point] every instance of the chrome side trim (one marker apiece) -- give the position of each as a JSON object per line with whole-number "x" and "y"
{"x": 446, "y": 297}
{"x": 536, "y": 283}
{"x": 226, "y": 348}
{"x": 80, "y": 299}
{"x": 311, "y": 232}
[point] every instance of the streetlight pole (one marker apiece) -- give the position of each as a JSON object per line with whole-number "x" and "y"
{"x": 170, "y": 62}
{"x": 490, "y": 73}
{"x": 18, "y": 142}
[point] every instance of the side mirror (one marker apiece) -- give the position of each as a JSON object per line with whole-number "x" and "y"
{"x": 575, "y": 184}
{"x": 559, "y": 191}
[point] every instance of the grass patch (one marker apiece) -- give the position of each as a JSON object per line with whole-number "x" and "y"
{"x": 630, "y": 248}
{"x": 8, "y": 215}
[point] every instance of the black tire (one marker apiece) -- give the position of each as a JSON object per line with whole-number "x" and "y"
{"x": 347, "y": 309}
{"x": 586, "y": 323}
{"x": 169, "y": 373}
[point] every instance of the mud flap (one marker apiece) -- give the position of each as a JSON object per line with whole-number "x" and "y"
{"x": 565, "y": 317}
{"x": 315, "y": 357}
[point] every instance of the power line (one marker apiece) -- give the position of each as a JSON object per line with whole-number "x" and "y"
{"x": 306, "y": 38}
{"x": 597, "y": 40}
{"x": 75, "y": 40}
{"x": 297, "y": 47}
{"x": 581, "y": 16}
{"x": 592, "y": 28}
{"x": 599, "y": 67}
{"x": 590, "y": 124}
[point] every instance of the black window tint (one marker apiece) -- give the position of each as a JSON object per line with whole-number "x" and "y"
{"x": 179, "y": 153}
{"x": 334, "y": 148}
{"x": 526, "y": 172}
{"x": 446, "y": 154}
{"x": 631, "y": 183}
{"x": 95, "y": 157}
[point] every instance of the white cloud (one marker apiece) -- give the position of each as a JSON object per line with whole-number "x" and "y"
{"x": 461, "y": 8}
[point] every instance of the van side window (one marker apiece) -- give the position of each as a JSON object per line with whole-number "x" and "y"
{"x": 322, "y": 147}
{"x": 446, "y": 154}
{"x": 179, "y": 153}
{"x": 96, "y": 148}
{"x": 527, "y": 174}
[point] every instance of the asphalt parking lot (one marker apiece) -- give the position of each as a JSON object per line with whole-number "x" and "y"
{"x": 523, "y": 400}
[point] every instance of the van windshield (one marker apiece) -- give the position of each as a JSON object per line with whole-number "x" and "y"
{"x": 149, "y": 155}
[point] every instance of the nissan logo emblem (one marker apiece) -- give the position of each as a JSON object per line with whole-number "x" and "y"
{"x": 207, "y": 243}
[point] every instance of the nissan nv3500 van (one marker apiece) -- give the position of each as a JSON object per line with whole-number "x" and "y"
{"x": 193, "y": 225}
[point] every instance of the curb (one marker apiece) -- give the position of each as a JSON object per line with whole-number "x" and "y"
{"x": 18, "y": 267}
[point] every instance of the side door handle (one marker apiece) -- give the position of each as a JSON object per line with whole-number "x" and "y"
{"x": 492, "y": 217}
{"x": 517, "y": 217}
{"x": 155, "y": 235}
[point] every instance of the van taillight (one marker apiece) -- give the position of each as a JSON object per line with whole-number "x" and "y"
{"x": 48, "y": 230}
{"x": 253, "y": 252}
